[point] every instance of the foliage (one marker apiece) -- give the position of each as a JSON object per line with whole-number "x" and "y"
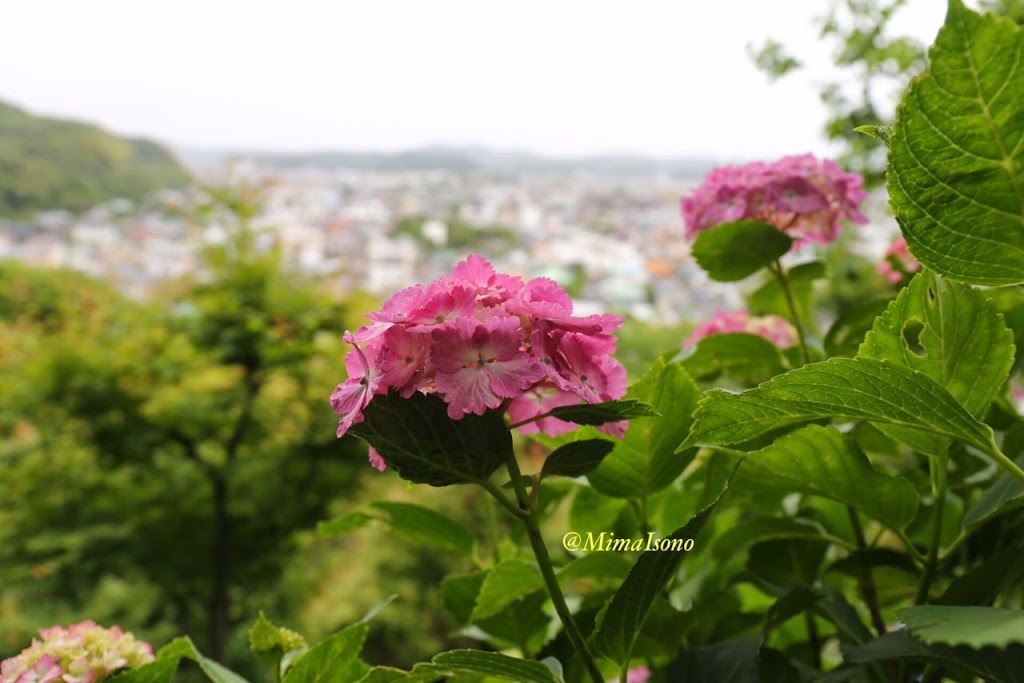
{"x": 839, "y": 506}
{"x": 48, "y": 163}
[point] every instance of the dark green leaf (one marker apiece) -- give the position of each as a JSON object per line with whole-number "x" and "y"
{"x": 823, "y": 462}
{"x": 601, "y": 413}
{"x": 623, "y": 617}
{"x": 955, "y": 169}
{"x": 847, "y": 332}
{"x": 974, "y": 627}
{"x": 733, "y": 251}
{"x": 418, "y": 440}
{"x": 645, "y": 460}
{"x": 757, "y": 529}
{"x": 459, "y": 591}
{"x": 859, "y": 388}
{"x": 1005, "y": 494}
{"x": 746, "y": 358}
{"x": 730, "y": 662}
{"x": 992, "y": 664}
{"x": 577, "y": 458}
{"x": 423, "y": 526}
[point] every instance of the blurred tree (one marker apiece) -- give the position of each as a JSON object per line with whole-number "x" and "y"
{"x": 872, "y": 70}
{"x": 171, "y": 449}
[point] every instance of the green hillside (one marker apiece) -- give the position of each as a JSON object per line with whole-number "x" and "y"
{"x": 48, "y": 163}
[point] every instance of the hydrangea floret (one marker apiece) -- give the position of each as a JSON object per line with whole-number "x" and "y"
{"x": 773, "y": 328}
{"x": 483, "y": 341}
{"x": 898, "y": 261}
{"x": 80, "y": 653}
{"x": 801, "y": 195}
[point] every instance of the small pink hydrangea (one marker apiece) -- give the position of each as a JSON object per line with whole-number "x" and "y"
{"x": 773, "y": 328}
{"x": 801, "y": 195}
{"x": 638, "y": 674}
{"x": 898, "y": 261}
{"x": 483, "y": 341}
{"x": 80, "y": 653}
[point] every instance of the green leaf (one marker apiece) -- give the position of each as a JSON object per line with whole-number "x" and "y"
{"x": 458, "y": 593}
{"x": 601, "y": 413}
{"x": 746, "y": 358}
{"x": 750, "y": 531}
{"x": 826, "y": 602}
{"x": 858, "y": 388}
{"x": 955, "y": 165}
{"x": 495, "y": 665}
{"x": 962, "y": 625}
{"x": 184, "y": 647}
{"x": 345, "y": 524}
{"x": 733, "y": 251}
{"x": 506, "y": 583}
{"x": 423, "y": 526}
{"x": 949, "y": 332}
{"x": 623, "y": 617}
{"x": 1006, "y": 494}
{"x": 991, "y": 664}
{"x": 645, "y": 460}
{"x": 770, "y": 298}
{"x": 336, "y": 658}
{"x": 734, "y": 661}
{"x": 576, "y": 458}
{"x": 273, "y": 641}
{"x": 821, "y": 461}
{"x": 882, "y": 132}
{"x": 418, "y": 440}
{"x": 160, "y": 671}
{"x": 845, "y": 335}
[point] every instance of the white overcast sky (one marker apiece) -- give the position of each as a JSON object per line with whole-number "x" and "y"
{"x": 658, "y": 77}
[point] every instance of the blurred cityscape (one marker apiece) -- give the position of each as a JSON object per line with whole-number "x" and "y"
{"x": 615, "y": 241}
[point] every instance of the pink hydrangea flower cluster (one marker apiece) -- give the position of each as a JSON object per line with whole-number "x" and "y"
{"x": 81, "y": 653}
{"x": 773, "y": 328}
{"x": 797, "y": 194}
{"x": 898, "y": 261}
{"x": 483, "y": 341}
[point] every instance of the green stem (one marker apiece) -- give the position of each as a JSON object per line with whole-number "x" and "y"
{"x": 1004, "y": 462}
{"x": 780, "y": 275}
{"x": 867, "y": 580}
{"x": 525, "y": 512}
{"x": 911, "y": 548}
{"x": 938, "y": 467}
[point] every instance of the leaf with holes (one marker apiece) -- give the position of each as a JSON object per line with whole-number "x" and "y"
{"x": 956, "y": 165}
{"x": 949, "y": 332}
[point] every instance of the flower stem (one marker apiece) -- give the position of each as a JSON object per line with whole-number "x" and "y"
{"x": 1010, "y": 466}
{"x": 780, "y": 274}
{"x": 525, "y": 512}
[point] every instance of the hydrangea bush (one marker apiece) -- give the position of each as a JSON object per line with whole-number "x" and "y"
{"x": 797, "y": 492}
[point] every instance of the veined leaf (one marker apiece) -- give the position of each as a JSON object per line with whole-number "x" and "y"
{"x": 423, "y": 526}
{"x": 506, "y": 583}
{"x": 733, "y": 251}
{"x": 577, "y": 458}
{"x": 956, "y": 165}
{"x": 645, "y": 460}
{"x": 601, "y": 413}
{"x": 858, "y": 388}
{"x": 975, "y": 627}
{"x": 823, "y": 462}
{"x": 747, "y": 358}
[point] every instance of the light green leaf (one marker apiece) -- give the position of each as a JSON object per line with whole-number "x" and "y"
{"x": 336, "y": 658}
{"x": 345, "y": 524}
{"x": 770, "y": 298}
{"x": 577, "y": 458}
{"x": 423, "y": 526}
{"x": 645, "y": 460}
{"x": 821, "y": 461}
{"x": 601, "y": 413}
{"x": 858, "y": 388}
{"x": 506, "y": 583}
{"x": 273, "y": 641}
{"x": 955, "y": 166}
{"x": 418, "y": 440}
{"x": 621, "y": 620}
{"x": 733, "y": 251}
{"x": 495, "y": 665}
{"x": 184, "y": 647}
{"x": 975, "y": 627}
{"x": 160, "y": 671}
{"x": 882, "y": 132}
{"x": 746, "y": 358}
{"x": 949, "y": 332}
